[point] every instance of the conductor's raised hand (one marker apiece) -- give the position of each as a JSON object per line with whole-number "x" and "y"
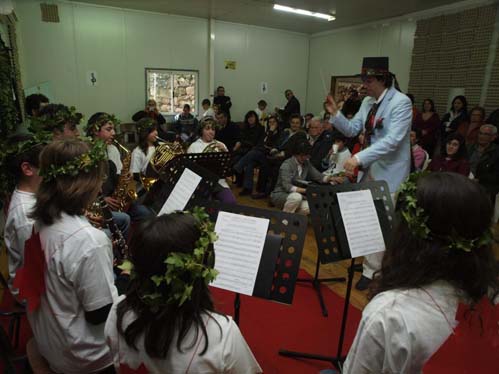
{"x": 331, "y": 105}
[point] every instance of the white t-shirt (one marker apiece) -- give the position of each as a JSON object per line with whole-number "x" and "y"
{"x": 401, "y": 329}
{"x": 198, "y": 147}
{"x": 114, "y": 155}
{"x": 140, "y": 160}
{"x": 208, "y": 113}
{"x": 337, "y": 162}
{"x": 78, "y": 278}
{"x": 227, "y": 350}
{"x": 18, "y": 228}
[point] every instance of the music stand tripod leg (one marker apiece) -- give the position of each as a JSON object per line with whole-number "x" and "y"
{"x": 339, "y": 358}
{"x": 316, "y": 284}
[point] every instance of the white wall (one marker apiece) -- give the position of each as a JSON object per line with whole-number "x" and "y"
{"x": 278, "y": 58}
{"x": 341, "y": 52}
{"x": 119, "y": 44}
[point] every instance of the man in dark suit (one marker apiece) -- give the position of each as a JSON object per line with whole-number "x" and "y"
{"x": 222, "y": 101}
{"x": 292, "y": 107}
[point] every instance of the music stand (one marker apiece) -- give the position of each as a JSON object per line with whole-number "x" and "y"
{"x": 280, "y": 262}
{"x": 333, "y": 244}
{"x": 161, "y": 190}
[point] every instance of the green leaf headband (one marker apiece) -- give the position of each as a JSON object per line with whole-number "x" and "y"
{"x": 145, "y": 124}
{"x": 83, "y": 163}
{"x": 51, "y": 122}
{"x": 101, "y": 121}
{"x": 417, "y": 219}
{"x": 8, "y": 150}
{"x": 175, "y": 286}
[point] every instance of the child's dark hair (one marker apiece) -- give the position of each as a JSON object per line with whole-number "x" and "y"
{"x": 151, "y": 244}
{"x": 144, "y": 132}
{"x": 33, "y": 103}
{"x": 454, "y": 205}
{"x": 205, "y": 102}
{"x": 302, "y": 148}
{"x": 30, "y": 155}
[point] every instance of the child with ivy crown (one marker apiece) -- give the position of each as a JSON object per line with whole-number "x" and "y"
{"x": 58, "y": 119}
{"x": 67, "y": 316}
{"x": 21, "y": 160}
{"x": 166, "y": 322}
{"x": 142, "y": 153}
{"x": 438, "y": 257}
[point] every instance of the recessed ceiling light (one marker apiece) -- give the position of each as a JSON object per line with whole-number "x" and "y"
{"x": 304, "y": 12}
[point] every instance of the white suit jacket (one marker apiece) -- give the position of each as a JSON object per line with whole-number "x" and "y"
{"x": 389, "y": 155}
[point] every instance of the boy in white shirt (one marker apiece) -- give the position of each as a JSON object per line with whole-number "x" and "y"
{"x": 68, "y": 312}
{"x": 207, "y": 110}
{"x": 335, "y": 160}
{"x": 23, "y": 165}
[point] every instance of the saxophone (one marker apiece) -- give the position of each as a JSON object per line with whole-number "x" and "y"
{"x": 126, "y": 190}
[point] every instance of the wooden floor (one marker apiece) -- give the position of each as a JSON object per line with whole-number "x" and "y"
{"x": 309, "y": 257}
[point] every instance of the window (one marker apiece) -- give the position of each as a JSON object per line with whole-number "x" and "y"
{"x": 172, "y": 89}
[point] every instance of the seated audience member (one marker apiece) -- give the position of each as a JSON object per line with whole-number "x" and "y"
{"x": 207, "y": 109}
{"x": 177, "y": 330}
{"x": 227, "y": 131}
{"x": 101, "y": 126}
{"x": 261, "y": 111}
{"x": 320, "y": 140}
{"x": 454, "y": 158}
{"x": 290, "y": 137}
{"x": 419, "y": 156}
{"x": 68, "y": 322}
{"x": 35, "y": 103}
{"x": 257, "y": 157}
{"x": 470, "y": 130}
{"x": 186, "y": 125}
{"x": 292, "y": 107}
{"x": 438, "y": 261}
{"x": 58, "y": 119}
{"x": 428, "y": 122}
{"x": 150, "y": 111}
{"x": 334, "y": 162}
{"x": 222, "y": 102}
{"x": 306, "y": 119}
{"x": 294, "y": 175}
{"x": 484, "y": 160}
{"x": 207, "y": 139}
{"x": 456, "y": 117}
{"x": 22, "y": 165}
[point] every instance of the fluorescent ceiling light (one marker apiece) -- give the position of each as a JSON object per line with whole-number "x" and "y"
{"x": 304, "y": 12}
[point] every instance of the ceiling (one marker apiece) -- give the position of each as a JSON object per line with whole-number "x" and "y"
{"x": 261, "y": 12}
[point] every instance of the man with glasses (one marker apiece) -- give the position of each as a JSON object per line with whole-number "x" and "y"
{"x": 385, "y": 116}
{"x": 484, "y": 159}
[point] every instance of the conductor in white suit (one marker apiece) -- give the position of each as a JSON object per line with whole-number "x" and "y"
{"x": 385, "y": 116}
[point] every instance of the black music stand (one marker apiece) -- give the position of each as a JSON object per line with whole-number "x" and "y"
{"x": 280, "y": 262}
{"x": 333, "y": 244}
{"x": 161, "y": 190}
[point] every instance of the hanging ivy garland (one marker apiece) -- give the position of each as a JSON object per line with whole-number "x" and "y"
{"x": 8, "y": 112}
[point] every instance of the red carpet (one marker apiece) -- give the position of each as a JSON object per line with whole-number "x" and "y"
{"x": 269, "y": 326}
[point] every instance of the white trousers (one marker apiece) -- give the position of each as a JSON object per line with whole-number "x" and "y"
{"x": 295, "y": 203}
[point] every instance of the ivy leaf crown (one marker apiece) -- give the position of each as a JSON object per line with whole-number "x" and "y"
{"x": 183, "y": 270}
{"x": 83, "y": 163}
{"x": 55, "y": 121}
{"x": 416, "y": 219}
{"x": 10, "y": 149}
{"x": 101, "y": 121}
{"x": 145, "y": 124}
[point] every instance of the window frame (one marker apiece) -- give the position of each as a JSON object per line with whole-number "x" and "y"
{"x": 173, "y": 71}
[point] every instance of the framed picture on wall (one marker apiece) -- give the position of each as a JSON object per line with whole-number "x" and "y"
{"x": 341, "y": 86}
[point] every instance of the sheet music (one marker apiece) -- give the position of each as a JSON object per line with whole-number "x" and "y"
{"x": 238, "y": 251}
{"x": 181, "y": 193}
{"x": 361, "y": 222}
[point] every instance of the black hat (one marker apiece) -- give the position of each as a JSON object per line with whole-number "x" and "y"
{"x": 374, "y": 66}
